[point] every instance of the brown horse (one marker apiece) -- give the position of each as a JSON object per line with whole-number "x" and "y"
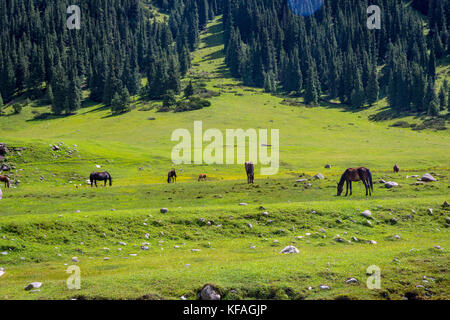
{"x": 354, "y": 175}
{"x": 172, "y": 176}
{"x": 100, "y": 176}
{"x": 202, "y": 177}
{"x": 396, "y": 169}
{"x": 250, "y": 170}
{"x": 5, "y": 179}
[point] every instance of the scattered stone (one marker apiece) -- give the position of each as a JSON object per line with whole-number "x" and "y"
{"x": 372, "y": 242}
{"x": 145, "y": 248}
{"x": 319, "y": 176}
{"x": 4, "y": 253}
{"x": 209, "y": 293}
{"x": 243, "y": 204}
{"x": 430, "y": 210}
{"x": 301, "y": 180}
{"x": 289, "y": 250}
{"x": 33, "y": 285}
{"x": 133, "y": 254}
{"x": 438, "y": 247}
{"x": 351, "y": 280}
{"x": 366, "y": 214}
{"x": 147, "y": 236}
{"x": 324, "y": 287}
{"x": 75, "y": 259}
{"x": 122, "y": 243}
{"x": 106, "y": 258}
{"x": 265, "y": 213}
{"x": 368, "y": 223}
{"x": 397, "y": 237}
{"x": 445, "y": 204}
{"x": 391, "y": 184}
{"x": 249, "y": 225}
{"x": 253, "y": 247}
{"x": 328, "y": 166}
{"x": 427, "y": 178}
{"x": 195, "y": 250}
{"x": 164, "y": 210}
{"x": 393, "y": 221}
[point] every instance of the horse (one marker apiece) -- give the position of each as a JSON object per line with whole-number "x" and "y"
{"x": 250, "y": 170}
{"x": 5, "y": 179}
{"x": 202, "y": 177}
{"x": 354, "y": 175}
{"x": 100, "y": 176}
{"x": 172, "y": 176}
{"x": 396, "y": 169}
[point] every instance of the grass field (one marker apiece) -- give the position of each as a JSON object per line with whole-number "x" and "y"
{"x": 53, "y": 215}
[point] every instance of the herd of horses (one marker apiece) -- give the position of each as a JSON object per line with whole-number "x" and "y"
{"x": 350, "y": 175}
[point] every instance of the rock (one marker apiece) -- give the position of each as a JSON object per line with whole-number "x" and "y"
{"x": 122, "y": 243}
{"x": 164, "y": 210}
{"x": 394, "y": 221}
{"x": 249, "y": 225}
{"x": 372, "y": 242}
{"x": 145, "y": 248}
{"x": 391, "y": 184}
{"x": 147, "y": 236}
{"x": 301, "y": 180}
{"x": 3, "y": 149}
{"x": 438, "y": 247}
{"x": 5, "y": 167}
{"x": 319, "y": 176}
{"x": 366, "y": 214}
{"x": 75, "y": 259}
{"x": 1, "y": 272}
{"x": 4, "y": 253}
{"x": 243, "y": 204}
{"x": 253, "y": 247}
{"x": 55, "y": 148}
{"x": 289, "y": 250}
{"x": 209, "y": 293}
{"x": 33, "y": 285}
{"x": 265, "y": 213}
{"x": 106, "y": 258}
{"x": 195, "y": 250}
{"x": 397, "y": 237}
{"x": 427, "y": 178}
{"x": 133, "y": 254}
{"x": 447, "y": 219}
{"x": 355, "y": 239}
{"x": 430, "y": 210}
{"x": 351, "y": 280}
{"x": 328, "y": 166}
{"x": 368, "y": 223}
{"x": 381, "y": 181}
{"x": 324, "y": 287}
{"x": 445, "y": 204}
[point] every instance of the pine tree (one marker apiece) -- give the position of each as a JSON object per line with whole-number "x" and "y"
{"x": 49, "y": 94}
{"x": 189, "y": 90}
{"x": 311, "y": 90}
{"x": 1, "y": 103}
{"x": 372, "y": 90}
{"x": 433, "y": 101}
{"x": 442, "y": 98}
{"x": 358, "y": 97}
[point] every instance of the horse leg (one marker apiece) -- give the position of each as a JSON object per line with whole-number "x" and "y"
{"x": 351, "y": 189}
{"x": 346, "y": 185}
{"x": 365, "y": 185}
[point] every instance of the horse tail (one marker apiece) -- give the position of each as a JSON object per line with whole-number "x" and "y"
{"x": 370, "y": 179}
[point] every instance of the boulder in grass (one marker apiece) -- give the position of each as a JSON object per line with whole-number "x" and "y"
{"x": 428, "y": 178}
{"x": 33, "y": 285}
{"x": 209, "y": 293}
{"x": 391, "y": 184}
{"x": 445, "y": 204}
{"x": 351, "y": 280}
{"x": 328, "y": 166}
{"x": 367, "y": 214}
{"x": 164, "y": 210}
{"x": 289, "y": 250}
{"x": 319, "y": 176}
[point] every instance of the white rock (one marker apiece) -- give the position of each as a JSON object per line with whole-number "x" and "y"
{"x": 123, "y": 243}
{"x": 372, "y": 242}
{"x": 106, "y": 258}
{"x": 265, "y": 213}
{"x": 391, "y": 184}
{"x": 367, "y": 214}
{"x": 351, "y": 280}
{"x": 319, "y": 176}
{"x": 75, "y": 259}
{"x": 209, "y": 293}
{"x": 195, "y": 250}
{"x": 243, "y": 204}
{"x": 290, "y": 249}
{"x": 133, "y": 255}
{"x": 4, "y": 253}
{"x": 2, "y": 272}
{"x": 164, "y": 210}
{"x": 33, "y": 285}
{"x": 430, "y": 210}
{"x": 324, "y": 287}
{"x": 428, "y": 178}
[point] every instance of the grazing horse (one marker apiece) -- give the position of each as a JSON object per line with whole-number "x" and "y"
{"x": 353, "y": 175}
{"x": 396, "y": 169}
{"x": 250, "y": 170}
{"x": 5, "y": 179}
{"x": 100, "y": 176}
{"x": 202, "y": 177}
{"x": 172, "y": 176}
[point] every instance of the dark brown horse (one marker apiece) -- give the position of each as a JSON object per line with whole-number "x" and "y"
{"x": 5, "y": 179}
{"x": 396, "y": 169}
{"x": 250, "y": 170}
{"x": 202, "y": 177}
{"x": 354, "y": 175}
{"x": 100, "y": 176}
{"x": 172, "y": 176}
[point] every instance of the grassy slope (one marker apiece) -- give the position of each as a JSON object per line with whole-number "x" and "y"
{"x": 41, "y": 218}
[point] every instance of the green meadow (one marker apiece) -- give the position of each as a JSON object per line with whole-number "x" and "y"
{"x": 208, "y": 237}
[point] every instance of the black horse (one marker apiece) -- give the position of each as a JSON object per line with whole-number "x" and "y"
{"x": 250, "y": 170}
{"x": 100, "y": 176}
{"x": 172, "y": 176}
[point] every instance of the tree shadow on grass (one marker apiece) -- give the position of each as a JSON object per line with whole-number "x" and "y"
{"x": 49, "y": 116}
